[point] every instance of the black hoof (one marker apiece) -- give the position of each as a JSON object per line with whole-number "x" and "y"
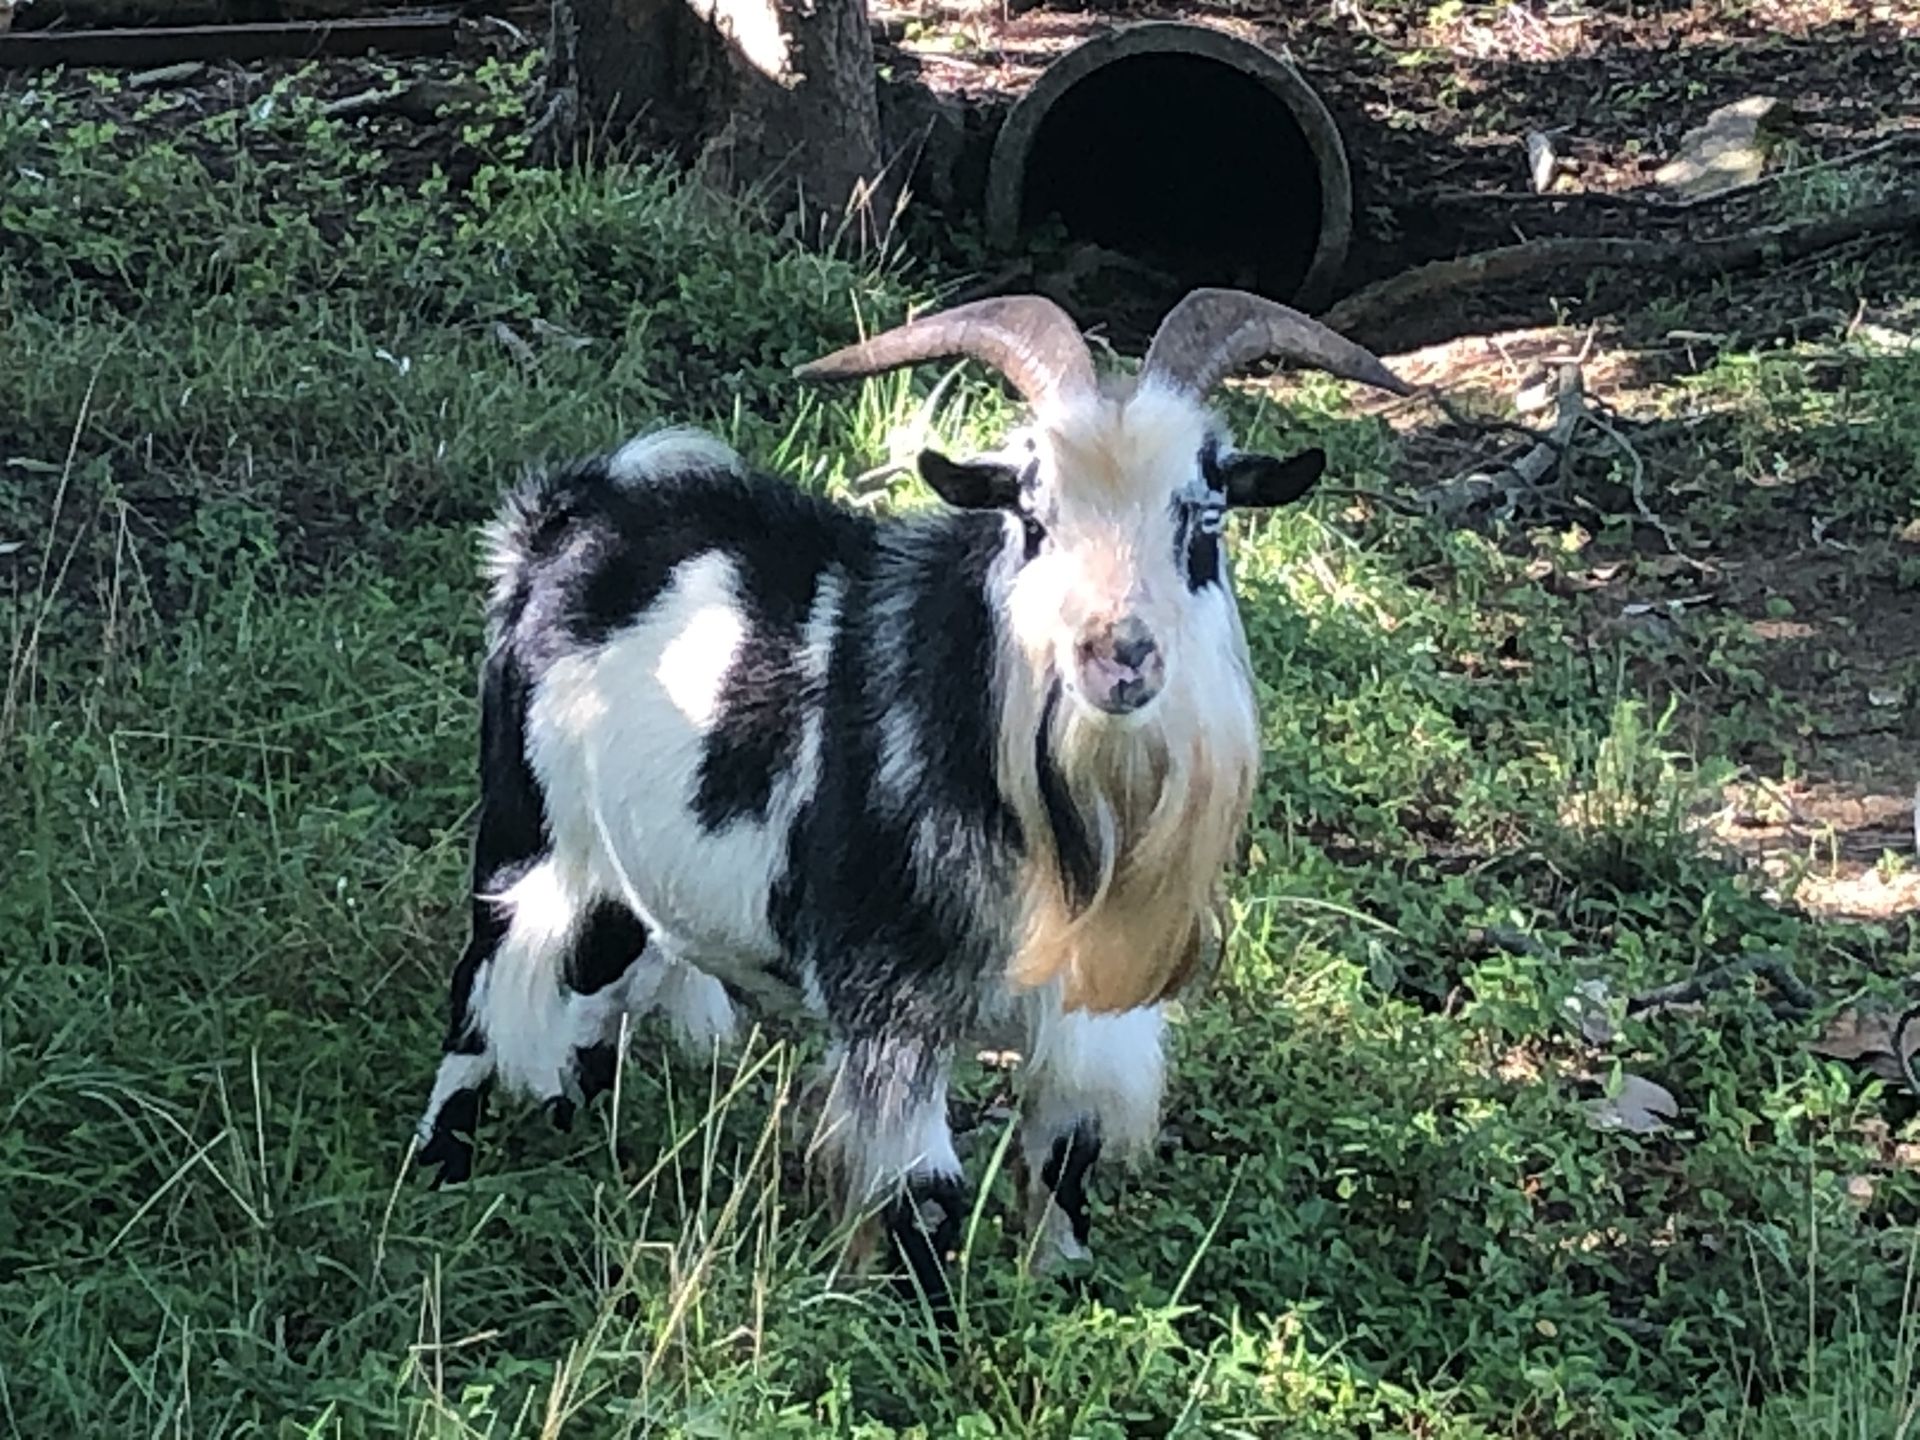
{"x": 923, "y": 1228}
{"x": 1065, "y": 1174}
{"x": 594, "y": 1068}
{"x": 448, "y": 1153}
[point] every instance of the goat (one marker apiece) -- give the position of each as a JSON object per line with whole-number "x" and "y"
{"x": 969, "y": 771}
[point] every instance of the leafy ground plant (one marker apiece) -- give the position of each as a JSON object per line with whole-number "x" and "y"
{"x": 264, "y": 378}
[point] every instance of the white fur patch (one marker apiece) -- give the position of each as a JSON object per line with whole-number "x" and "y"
{"x": 1056, "y": 1244}
{"x": 1111, "y": 1068}
{"x": 705, "y": 638}
{"x": 517, "y": 995}
{"x": 900, "y": 758}
{"x": 663, "y": 451}
{"x": 616, "y": 734}
{"x": 697, "y": 1007}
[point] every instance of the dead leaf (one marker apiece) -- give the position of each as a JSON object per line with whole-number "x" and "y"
{"x": 1640, "y": 1106}
{"x": 1541, "y": 161}
{"x": 1731, "y": 148}
{"x": 1867, "y": 1036}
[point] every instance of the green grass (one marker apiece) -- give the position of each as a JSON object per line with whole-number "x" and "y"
{"x": 255, "y": 409}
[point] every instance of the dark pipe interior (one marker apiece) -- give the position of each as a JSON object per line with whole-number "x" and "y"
{"x": 1186, "y": 164}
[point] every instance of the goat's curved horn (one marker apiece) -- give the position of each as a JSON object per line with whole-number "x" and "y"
{"x": 1213, "y": 333}
{"x": 1027, "y": 338}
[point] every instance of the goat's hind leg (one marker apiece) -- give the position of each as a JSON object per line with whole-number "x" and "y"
{"x": 537, "y": 1001}
{"x": 1094, "y": 1084}
{"x": 444, "y": 1139}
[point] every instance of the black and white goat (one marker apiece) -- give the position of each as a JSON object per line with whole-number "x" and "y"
{"x": 931, "y": 778}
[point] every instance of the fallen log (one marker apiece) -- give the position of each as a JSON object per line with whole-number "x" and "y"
{"x": 1366, "y": 311}
{"x": 137, "y": 14}
{"x": 168, "y": 45}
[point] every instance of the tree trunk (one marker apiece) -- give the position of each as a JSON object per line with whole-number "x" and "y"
{"x": 770, "y": 97}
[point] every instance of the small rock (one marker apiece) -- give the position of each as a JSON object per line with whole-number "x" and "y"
{"x": 1730, "y": 149}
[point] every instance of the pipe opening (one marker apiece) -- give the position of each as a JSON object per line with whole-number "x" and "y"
{"x": 1186, "y": 149}
{"x": 1185, "y": 164}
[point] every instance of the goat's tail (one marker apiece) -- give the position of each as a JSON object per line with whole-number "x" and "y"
{"x": 509, "y": 541}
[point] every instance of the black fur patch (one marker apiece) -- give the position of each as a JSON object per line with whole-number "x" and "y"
{"x": 756, "y": 735}
{"x": 599, "y": 552}
{"x": 1066, "y": 1171}
{"x": 891, "y": 957}
{"x": 610, "y": 939}
{"x": 1196, "y": 549}
{"x": 463, "y": 1037}
{"x": 593, "y": 1067}
{"x": 1079, "y": 866}
{"x": 513, "y": 817}
{"x": 763, "y": 700}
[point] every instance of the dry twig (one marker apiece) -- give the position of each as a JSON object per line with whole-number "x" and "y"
{"x": 1774, "y": 968}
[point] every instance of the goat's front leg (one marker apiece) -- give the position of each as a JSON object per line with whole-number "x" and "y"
{"x": 886, "y": 1126}
{"x": 1094, "y": 1085}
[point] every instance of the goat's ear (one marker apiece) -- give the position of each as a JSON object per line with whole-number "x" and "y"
{"x": 970, "y": 484}
{"x": 1256, "y": 481}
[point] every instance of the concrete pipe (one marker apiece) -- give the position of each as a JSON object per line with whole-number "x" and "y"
{"x": 1186, "y": 148}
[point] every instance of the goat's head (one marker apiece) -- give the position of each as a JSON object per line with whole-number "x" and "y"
{"x": 1129, "y": 738}
{"x": 1118, "y": 494}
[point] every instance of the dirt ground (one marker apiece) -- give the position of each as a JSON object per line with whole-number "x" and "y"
{"x": 1826, "y": 806}
{"x": 1434, "y": 102}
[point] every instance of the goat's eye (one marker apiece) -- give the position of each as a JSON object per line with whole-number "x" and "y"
{"x": 1196, "y": 540}
{"x": 1036, "y": 533}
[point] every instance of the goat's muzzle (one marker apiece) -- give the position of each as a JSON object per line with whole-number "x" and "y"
{"x": 1121, "y": 668}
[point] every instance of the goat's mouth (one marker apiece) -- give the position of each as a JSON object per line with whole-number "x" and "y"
{"x": 1115, "y": 693}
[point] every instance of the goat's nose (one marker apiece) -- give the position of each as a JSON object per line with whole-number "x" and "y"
{"x": 1133, "y": 651}
{"x": 1121, "y": 669}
